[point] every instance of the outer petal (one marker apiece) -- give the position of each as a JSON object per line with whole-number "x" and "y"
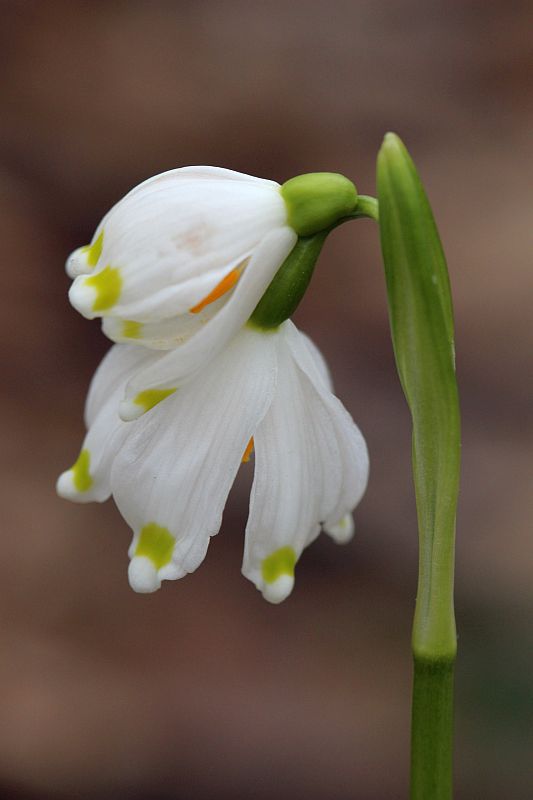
{"x": 83, "y": 260}
{"x": 353, "y": 447}
{"x": 180, "y": 364}
{"x": 89, "y": 479}
{"x": 172, "y": 239}
{"x": 311, "y": 467}
{"x": 315, "y": 360}
{"x": 172, "y": 477}
{"x": 341, "y": 531}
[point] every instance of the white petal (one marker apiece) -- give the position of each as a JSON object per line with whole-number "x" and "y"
{"x": 310, "y": 468}
{"x": 178, "y": 366}
{"x": 89, "y": 479}
{"x": 174, "y": 238}
{"x": 113, "y": 372}
{"x": 316, "y": 361}
{"x": 353, "y": 450}
{"x": 78, "y": 261}
{"x": 176, "y": 469}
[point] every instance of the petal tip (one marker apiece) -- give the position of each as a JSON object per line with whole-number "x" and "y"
{"x": 143, "y": 576}
{"x": 67, "y": 489}
{"x": 82, "y": 297}
{"x": 65, "y": 486}
{"x": 342, "y": 531}
{"x": 77, "y": 263}
{"x": 278, "y": 591}
{"x": 129, "y": 410}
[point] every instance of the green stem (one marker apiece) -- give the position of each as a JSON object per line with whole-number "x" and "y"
{"x": 290, "y": 283}
{"x": 366, "y": 207}
{"x": 432, "y": 730}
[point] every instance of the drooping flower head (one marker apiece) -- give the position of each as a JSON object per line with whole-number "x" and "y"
{"x": 176, "y": 269}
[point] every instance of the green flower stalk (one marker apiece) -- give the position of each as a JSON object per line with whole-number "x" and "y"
{"x": 421, "y": 321}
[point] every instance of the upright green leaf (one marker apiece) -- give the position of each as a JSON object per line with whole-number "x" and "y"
{"x": 421, "y": 318}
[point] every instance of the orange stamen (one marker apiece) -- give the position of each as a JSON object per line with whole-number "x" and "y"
{"x": 248, "y": 451}
{"x": 227, "y": 283}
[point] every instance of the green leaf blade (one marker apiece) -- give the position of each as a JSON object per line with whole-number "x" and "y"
{"x": 421, "y": 318}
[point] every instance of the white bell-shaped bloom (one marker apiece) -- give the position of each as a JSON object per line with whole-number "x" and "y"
{"x": 171, "y": 470}
{"x": 176, "y": 250}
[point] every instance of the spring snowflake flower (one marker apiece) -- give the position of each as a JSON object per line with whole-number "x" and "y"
{"x": 190, "y": 390}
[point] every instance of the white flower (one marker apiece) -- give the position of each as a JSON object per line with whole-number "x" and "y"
{"x": 170, "y": 471}
{"x": 180, "y": 266}
{"x": 181, "y": 248}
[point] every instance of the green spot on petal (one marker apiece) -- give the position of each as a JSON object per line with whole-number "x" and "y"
{"x": 132, "y": 329}
{"x": 155, "y": 543}
{"x": 151, "y": 397}
{"x": 279, "y": 563}
{"x": 81, "y": 477}
{"x": 94, "y": 251}
{"x": 108, "y": 285}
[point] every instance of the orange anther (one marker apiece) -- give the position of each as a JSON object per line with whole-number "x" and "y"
{"x": 248, "y": 451}
{"x": 227, "y": 283}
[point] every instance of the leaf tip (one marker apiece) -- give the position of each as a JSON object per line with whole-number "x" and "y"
{"x": 392, "y": 145}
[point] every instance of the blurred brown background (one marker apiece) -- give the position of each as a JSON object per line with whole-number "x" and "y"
{"x": 204, "y": 690}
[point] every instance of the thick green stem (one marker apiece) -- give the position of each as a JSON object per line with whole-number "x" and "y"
{"x": 432, "y": 730}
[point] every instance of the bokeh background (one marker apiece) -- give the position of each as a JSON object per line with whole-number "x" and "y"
{"x": 203, "y": 690}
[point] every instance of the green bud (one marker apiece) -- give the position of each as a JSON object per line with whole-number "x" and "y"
{"x": 317, "y": 200}
{"x": 290, "y": 282}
